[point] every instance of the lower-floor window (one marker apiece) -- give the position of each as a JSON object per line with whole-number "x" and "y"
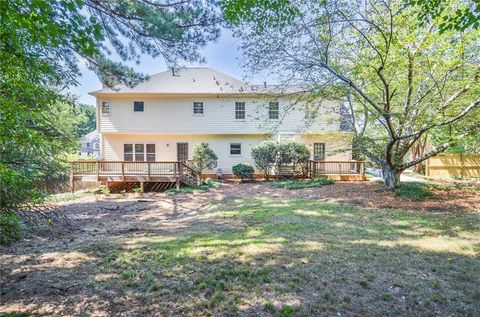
{"x": 139, "y": 152}
{"x": 235, "y": 148}
{"x": 319, "y": 151}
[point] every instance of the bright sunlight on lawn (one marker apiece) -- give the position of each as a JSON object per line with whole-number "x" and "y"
{"x": 298, "y": 257}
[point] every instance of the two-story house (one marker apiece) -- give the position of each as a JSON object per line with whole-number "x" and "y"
{"x": 163, "y": 118}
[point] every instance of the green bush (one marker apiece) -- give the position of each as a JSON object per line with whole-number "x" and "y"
{"x": 204, "y": 156}
{"x": 264, "y": 156}
{"x": 414, "y": 190}
{"x": 294, "y": 184}
{"x": 10, "y": 230}
{"x": 243, "y": 171}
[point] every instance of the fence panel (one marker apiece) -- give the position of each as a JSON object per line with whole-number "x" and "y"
{"x": 453, "y": 166}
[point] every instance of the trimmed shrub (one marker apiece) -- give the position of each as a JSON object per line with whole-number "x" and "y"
{"x": 264, "y": 156}
{"x": 10, "y": 230}
{"x": 243, "y": 171}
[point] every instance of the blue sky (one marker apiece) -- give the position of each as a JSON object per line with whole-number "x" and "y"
{"x": 223, "y": 55}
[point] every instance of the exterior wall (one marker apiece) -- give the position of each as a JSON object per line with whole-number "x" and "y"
{"x": 337, "y": 145}
{"x": 174, "y": 115}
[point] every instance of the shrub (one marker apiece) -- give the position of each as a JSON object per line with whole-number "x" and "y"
{"x": 243, "y": 171}
{"x": 293, "y": 184}
{"x": 294, "y": 153}
{"x": 204, "y": 156}
{"x": 10, "y": 230}
{"x": 414, "y": 190}
{"x": 264, "y": 156}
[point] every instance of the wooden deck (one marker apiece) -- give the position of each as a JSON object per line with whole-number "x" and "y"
{"x": 121, "y": 171}
{"x": 187, "y": 173}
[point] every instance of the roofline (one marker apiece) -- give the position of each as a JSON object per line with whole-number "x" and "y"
{"x": 166, "y": 94}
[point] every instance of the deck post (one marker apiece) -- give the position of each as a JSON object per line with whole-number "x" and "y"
{"x": 177, "y": 178}
{"x": 72, "y": 179}
{"x": 141, "y": 186}
{"x": 148, "y": 167}
{"x": 340, "y": 170}
{"x": 123, "y": 171}
{"x": 98, "y": 170}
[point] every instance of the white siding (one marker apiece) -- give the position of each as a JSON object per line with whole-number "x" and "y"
{"x": 171, "y": 115}
{"x": 337, "y": 146}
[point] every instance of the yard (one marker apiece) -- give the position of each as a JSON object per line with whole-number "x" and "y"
{"x": 253, "y": 249}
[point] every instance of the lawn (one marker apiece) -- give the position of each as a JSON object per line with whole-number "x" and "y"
{"x": 287, "y": 257}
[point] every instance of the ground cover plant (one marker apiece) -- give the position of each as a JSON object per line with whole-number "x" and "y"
{"x": 299, "y": 184}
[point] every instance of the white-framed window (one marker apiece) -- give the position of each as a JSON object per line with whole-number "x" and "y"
{"x": 139, "y": 152}
{"x": 235, "y": 149}
{"x": 198, "y": 108}
{"x": 240, "y": 110}
{"x": 106, "y": 108}
{"x": 319, "y": 151}
{"x": 273, "y": 110}
{"x": 138, "y": 106}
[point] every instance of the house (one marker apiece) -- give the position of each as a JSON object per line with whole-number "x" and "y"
{"x": 90, "y": 145}
{"x": 161, "y": 120}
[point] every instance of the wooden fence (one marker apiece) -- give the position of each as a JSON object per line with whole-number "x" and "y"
{"x": 453, "y": 165}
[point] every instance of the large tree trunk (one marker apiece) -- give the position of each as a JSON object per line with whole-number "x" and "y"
{"x": 391, "y": 177}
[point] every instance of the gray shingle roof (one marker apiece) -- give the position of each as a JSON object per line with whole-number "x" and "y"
{"x": 185, "y": 81}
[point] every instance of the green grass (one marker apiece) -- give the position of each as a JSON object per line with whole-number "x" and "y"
{"x": 299, "y": 257}
{"x": 205, "y": 187}
{"x": 68, "y": 196}
{"x": 299, "y": 184}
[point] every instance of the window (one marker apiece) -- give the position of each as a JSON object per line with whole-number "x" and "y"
{"x": 138, "y": 106}
{"x": 128, "y": 152}
{"x": 319, "y": 151}
{"x": 137, "y": 152}
{"x": 150, "y": 152}
{"x": 198, "y": 108}
{"x": 240, "y": 110}
{"x": 273, "y": 111}
{"x": 106, "y": 108}
{"x": 88, "y": 144}
{"x": 235, "y": 148}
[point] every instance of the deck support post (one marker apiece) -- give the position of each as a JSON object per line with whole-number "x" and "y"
{"x": 123, "y": 171}
{"x": 72, "y": 180}
{"x": 340, "y": 170}
{"x": 176, "y": 172}
{"x": 98, "y": 171}
{"x": 141, "y": 186}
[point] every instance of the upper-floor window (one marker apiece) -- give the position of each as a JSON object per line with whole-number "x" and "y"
{"x": 235, "y": 148}
{"x": 239, "y": 110}
{"x": 105, "y": 108}
{"x": 198, "y": 108}
{"x": 138, "y": 106}
{"x": 273, "y": 110}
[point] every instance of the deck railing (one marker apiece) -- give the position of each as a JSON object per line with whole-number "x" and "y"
{"x": 318, "y": 168}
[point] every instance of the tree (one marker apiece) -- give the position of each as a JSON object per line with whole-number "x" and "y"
{"x": 41, "y": 44}
{"x": 264, "y": 156}
{"x": 401, "y": 79}
{"x": 87, "y": 119}
{"x": 204, "y": 156}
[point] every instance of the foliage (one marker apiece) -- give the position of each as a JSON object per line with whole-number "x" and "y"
{"x": 87, "y": 119}
{"x": 205, "y": 187}
{"x": 270, "y": 155}
{"x": 300, "y": 184}
{"x": 10, "y": 230}
{"x": 264, "y": 156}
{"x": 460, "y": 15}
{"x": 414, "y": 190}
{"x": 204, "y": 156}
{"x": 243, "y": 171}
{"x": 389, "y": 67}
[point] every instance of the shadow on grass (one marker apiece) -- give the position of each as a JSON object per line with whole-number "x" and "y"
{"x": 250, "y": 256}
